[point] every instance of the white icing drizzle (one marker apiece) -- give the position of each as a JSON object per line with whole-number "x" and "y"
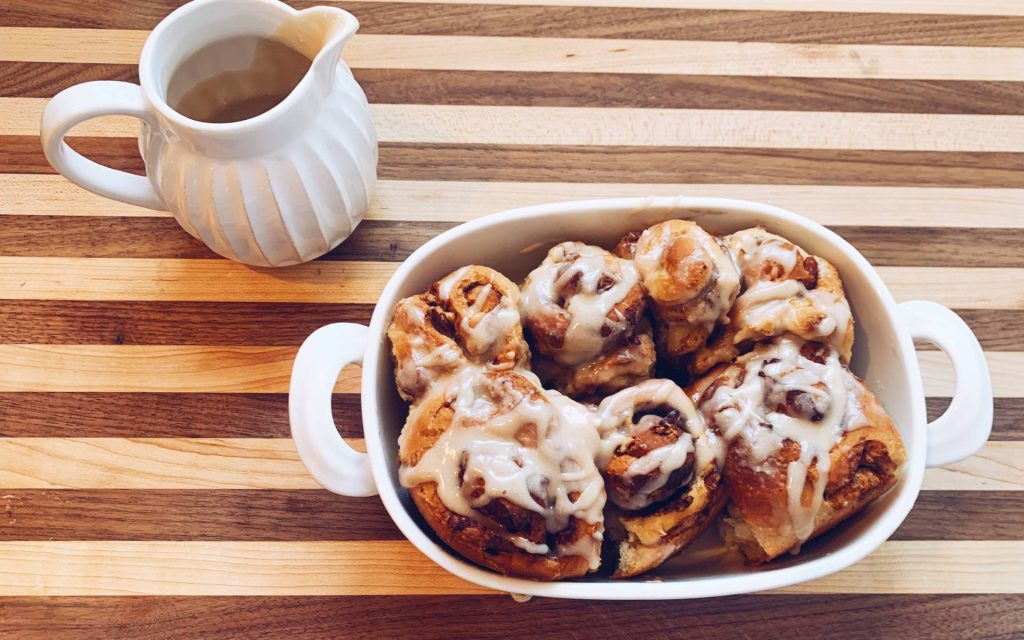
{"x": 616, "y": 425}
{"x": 767, "y": 302}
{"x": 427, "y": 361}
{"x": 535, "y": 450}
{"x": 710, "y": 303}
{"x": 588, "y": 308}
{"x": 483, "y": 332}
{"x": 829, "y": 402}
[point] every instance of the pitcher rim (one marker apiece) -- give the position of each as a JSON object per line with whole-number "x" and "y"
{"x": 154, "y": 93}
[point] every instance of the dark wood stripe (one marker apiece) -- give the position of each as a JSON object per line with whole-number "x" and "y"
{"x": 661, "y": 91}
{"x": 160, "y": 415}
{"x": 541, "y": 163}
{"x": 242, "y": 415}
{"x": 209, "y": 514}
{"x": 1008, "y": 417}
{"x": 282, "y": 515}
{"x": 150, "y": 322}
{"x": 283, "y": 324}
{"x": 527, "y": 163}
{"x": 592, "y": 22}
{"x": 964, "y": 515}
{"x": 393, "y": 241}
{"x": 103, "y": 237}
{"x": 852, "y": 617}
{"x": 45, "y": 79}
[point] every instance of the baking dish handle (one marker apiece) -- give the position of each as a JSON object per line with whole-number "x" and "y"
{"x": 330, "y": 460}
{"x": 962, "y": 430}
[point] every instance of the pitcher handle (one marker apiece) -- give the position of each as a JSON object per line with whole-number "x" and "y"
{"x": 83, "y": 102}
{"x": 331, "y": 461}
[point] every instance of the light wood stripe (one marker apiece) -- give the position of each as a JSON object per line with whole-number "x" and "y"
{"x": 153, "y": 369}
{"x": 457, "y": 201}
{"x": 949, "y": 7}
{"x": 153, "y": 463}
{"x": 248, "y": 369}
{"x": 194, "y": 280}
{"x": 477, "y": 53}
{"x": 459, "y": 124}
{"x": 830, "y": 205}
{"x": 361, "y": 282}
{"x": 273, "y": 463}
{"x": 397, "y": 568}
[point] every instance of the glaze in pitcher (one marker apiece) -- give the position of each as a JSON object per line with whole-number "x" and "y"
{"x": 280, "y": 188}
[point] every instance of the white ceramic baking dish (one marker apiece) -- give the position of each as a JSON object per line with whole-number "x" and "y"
{"x": 514, "y": 242}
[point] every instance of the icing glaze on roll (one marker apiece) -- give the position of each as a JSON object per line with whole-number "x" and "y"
{"x": 782, "y": 292}
{"x": 510, "y": 439}
{"x": 789, "y": 391}
{"x": 571, "y": 302}
{"x": 681, "y": 443}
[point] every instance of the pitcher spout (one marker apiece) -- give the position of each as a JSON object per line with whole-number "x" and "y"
{"x": 319, "y": 33}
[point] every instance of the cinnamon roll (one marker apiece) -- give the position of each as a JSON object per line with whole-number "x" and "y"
{"x": 504, "y": 473}
{"x": 583, "y": 309}
{"x": 691, "y": 281}
{"x": 661, "y": 468}
{"x": 470, "y": 316}
{"x": 809, "y": 444}
{"x": 785, "y": 290}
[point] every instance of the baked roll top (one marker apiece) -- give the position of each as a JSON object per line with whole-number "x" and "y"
{"x": 470, "y": 316}
{"x": 809, "y": 445}
{"x": 784, "y": 290}
{"x": 661, "y": 467}
{"x": 504, "y": 472}
{"x": 583, "y": 309}
{"x": 691, "y": 280}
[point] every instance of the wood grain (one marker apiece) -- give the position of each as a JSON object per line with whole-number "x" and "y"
{"x": 166, "y": 415}
{"x": 564, "y": 126}
{"x": 272, "y": 463}
{"x": 144, "y": 438}
{"x": 195, "y": 280}
{"x": 249, "y": 415}
{"x": 200, "y": 323}
{"x": 152, "y": 463}
{"x": 394, "y": 241}
{"x": 949, "y": 7}
{"x": 239, "y": 323}
{"x": 282, "y": 515}
{"x": 456, "y": 201}
{"x": 267, "y": 369}
{"x": 154, "y": 369}
{"x": 663, "y": 91}
{"x": 592, "y": 164}
{"x": 152, "y": 237}
{"x": 592, "y": 22}
{"x": 496, "y": 618}
{"x": 577, "y": 55}
{"x": 80, "y": 568}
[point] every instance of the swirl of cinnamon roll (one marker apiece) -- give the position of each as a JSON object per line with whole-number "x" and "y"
{"x": 583, "y": 309}
{"x": 470, "y": 316}
{"x": 691, "y": 281}
{"x": 809, "y": 445}
{"x": 662, "y": 470}
{"x": 785, "y": 290}
{"x": 504, "y": 473}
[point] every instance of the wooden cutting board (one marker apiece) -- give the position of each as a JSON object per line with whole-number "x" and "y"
{"x": 146, "y": 475}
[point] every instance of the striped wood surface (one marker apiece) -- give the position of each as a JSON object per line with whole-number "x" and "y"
{"x": 143, "y": 433}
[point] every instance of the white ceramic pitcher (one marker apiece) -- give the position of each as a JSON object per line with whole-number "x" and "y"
{"x": 280, "y": 188}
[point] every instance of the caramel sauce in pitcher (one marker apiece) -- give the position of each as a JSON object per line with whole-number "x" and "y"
{"x": 235, "y": 79}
